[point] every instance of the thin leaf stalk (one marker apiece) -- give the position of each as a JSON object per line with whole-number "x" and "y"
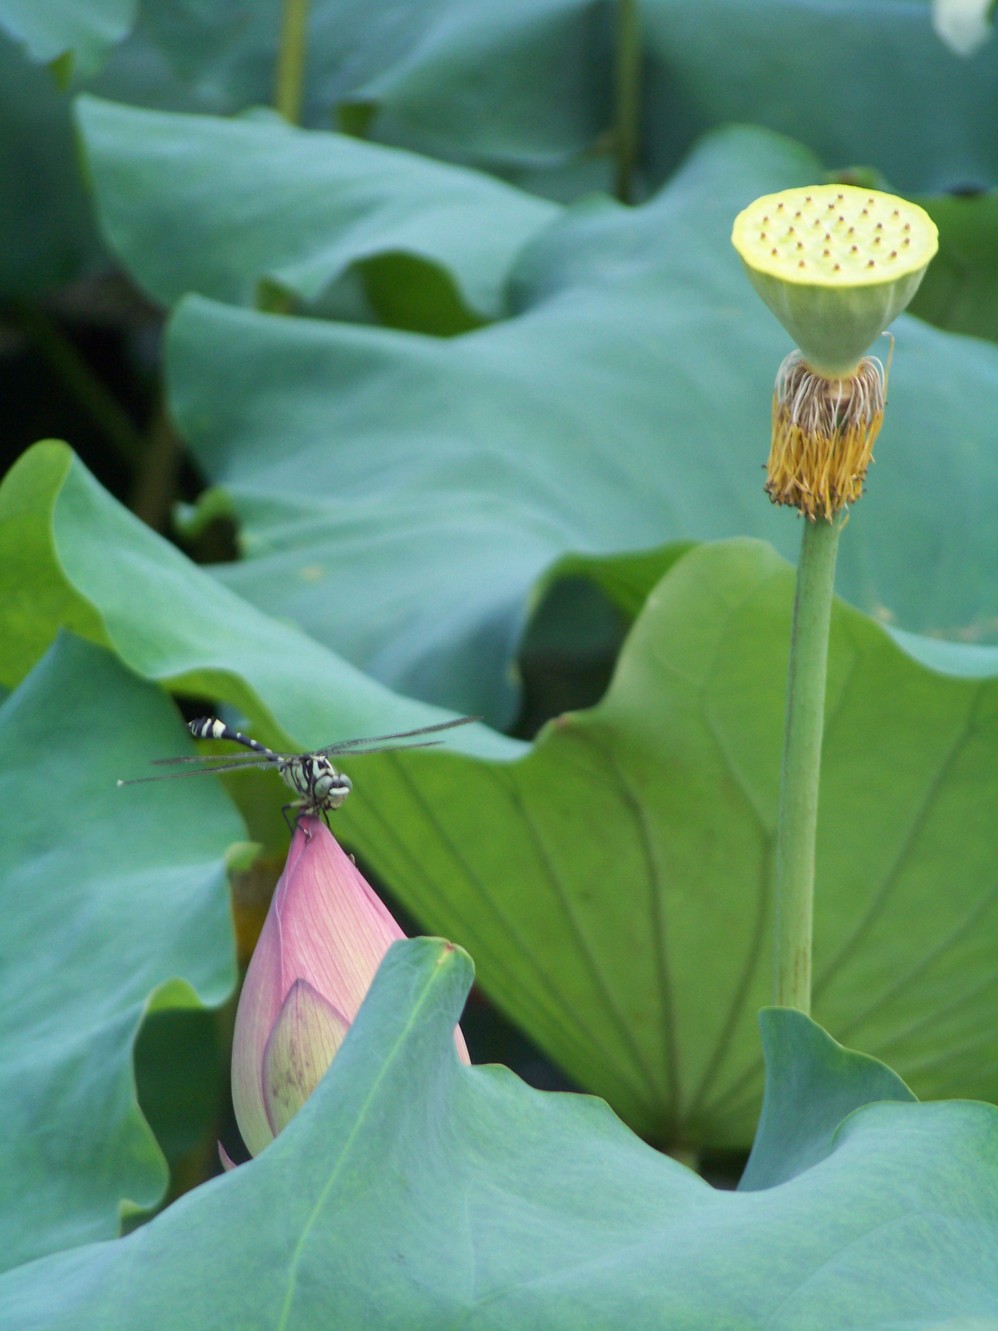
{"x": 290, "y": 79}
{"x": 798, "y": 809}
{"x": 627, "y": 92}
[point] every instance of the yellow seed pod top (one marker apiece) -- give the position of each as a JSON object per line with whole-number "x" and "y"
{"x": 836, "y": 265}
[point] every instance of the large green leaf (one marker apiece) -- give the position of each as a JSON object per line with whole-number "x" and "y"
{"x": 401, "y": 495}
{"x": 168, "y": 620}
{"x": 308, "y": 206}
{"x": 104, "y": 915}
{"x": 614, "y": 884}
{"x": 413, "y": 1192}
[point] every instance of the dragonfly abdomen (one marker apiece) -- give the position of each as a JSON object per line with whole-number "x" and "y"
{"x": 209, "y": 727}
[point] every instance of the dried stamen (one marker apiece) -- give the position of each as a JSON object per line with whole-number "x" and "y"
{"x": 823, "y": 435}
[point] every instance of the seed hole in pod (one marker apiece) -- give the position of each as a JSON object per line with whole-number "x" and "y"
{"x": 876, "y": 240}
{"x": 896, "y": 213}
{"x": 774, "y": 252}
{"x": 800, "y": 244}
{"x": 879, "y": 226}
{"x": 870, "y": 263}
{"x": 807, "y": 198}
{"x": 894, "y": 254}
{"x": 779, "y": 206}
{"x": 906, "y": 227}
{"x": 906, "y": 241}
{"x": 826, "y": 254}
{"x": 864, "y": 213}
{"x": 837, "y": 268}
{"x": 801, "y": 264}
{"x": 853, "y": 249}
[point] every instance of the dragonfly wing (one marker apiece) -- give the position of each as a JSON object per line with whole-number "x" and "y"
{"x": 197, "y": 771}
{"x": 362, "y": 744}
{"x": 233, "y": 759}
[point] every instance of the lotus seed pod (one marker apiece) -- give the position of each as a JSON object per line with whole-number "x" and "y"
{"x": 836, "y": 265}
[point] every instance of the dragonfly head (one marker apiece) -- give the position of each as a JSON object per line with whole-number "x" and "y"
{"x": 329, "y": 788}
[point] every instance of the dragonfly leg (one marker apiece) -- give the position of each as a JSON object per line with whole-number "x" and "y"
{"x": 302, "y": 807}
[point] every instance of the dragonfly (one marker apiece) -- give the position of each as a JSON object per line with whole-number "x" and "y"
{"x": 320, "y": 786}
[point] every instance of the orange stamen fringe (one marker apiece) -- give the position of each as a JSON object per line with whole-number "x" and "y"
{"x": 823, "y": 435}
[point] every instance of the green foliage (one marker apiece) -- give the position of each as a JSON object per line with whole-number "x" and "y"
{"x": 960, "y": 291}
{"x": 489, "y": 438}
{"x": 810, "y": 1079}
{"x": 167, "y": 619}
{"x": 104, "y": 915}
{"x": 81, "y": 33}
{"x": 615, "y": 883}
{"x": 677, "y": 770}
{"x": 627, "y": 405}
{"x": 414, "y": 1192}
{"x": 309, "y": 205}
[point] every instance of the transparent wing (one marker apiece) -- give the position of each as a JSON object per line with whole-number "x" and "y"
{"x": 231, "y": 766}
{"x": 385, "y": 748}
{"x": 246, "y": 759}
{"x": 385, "y": 740}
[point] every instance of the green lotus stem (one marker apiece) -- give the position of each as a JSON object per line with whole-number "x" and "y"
{"x": 835, "y": 264}
{"x": 627, "y": 77}
{"x": 805, "y": 716}
{"x": 290, "y": 82}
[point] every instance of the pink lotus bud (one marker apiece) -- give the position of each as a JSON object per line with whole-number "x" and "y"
{"x": 324, "y": 937}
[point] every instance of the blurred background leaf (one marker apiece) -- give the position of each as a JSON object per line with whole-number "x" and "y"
{"x": 309, "y": 206}
{"x": 960, "y": 291}
{"x": 400, "y": 495}
{"x": 81, "y": 33}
